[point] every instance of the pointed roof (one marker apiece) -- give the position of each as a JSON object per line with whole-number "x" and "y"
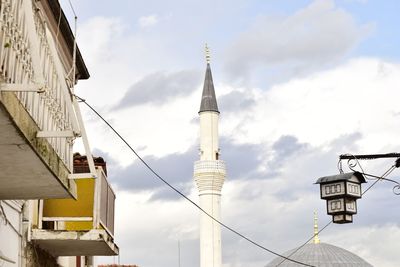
{"x": 208, "y": 99}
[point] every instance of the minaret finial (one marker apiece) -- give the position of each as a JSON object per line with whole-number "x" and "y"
{"x": 208, "y": 57}
{"x": 316, "y": 238}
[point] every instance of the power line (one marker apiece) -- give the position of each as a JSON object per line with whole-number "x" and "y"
{"x": 183, "y": 195}
{"x": 379, "y": 178}
{"x": 72, "y": 8}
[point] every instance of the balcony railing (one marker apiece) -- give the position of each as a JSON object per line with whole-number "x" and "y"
{"x": 209, "y": 175}
{"x": 30, "y": 67}
{"x": 204, "y": 166}
{"x": 106, "y": 204}
{"x": 85, "y": 226}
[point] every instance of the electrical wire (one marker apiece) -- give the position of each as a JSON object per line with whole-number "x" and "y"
{"x": 183, "y": 195}
{"x": 379, "y": 178}
{"x": 72, "y": 8}
{"x": 389, "y": 171}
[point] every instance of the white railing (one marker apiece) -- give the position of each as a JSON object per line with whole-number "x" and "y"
{"x": 204, "y": 166}
{"x": 209, "y": 175}
{"x": 31, "y": 68}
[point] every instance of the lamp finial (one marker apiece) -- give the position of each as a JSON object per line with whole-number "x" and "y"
{"x": 208, "y": 57}
{"x": 316, "y": 237}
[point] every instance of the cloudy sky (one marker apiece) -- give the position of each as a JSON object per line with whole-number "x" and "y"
{"x": 298, "y": 83}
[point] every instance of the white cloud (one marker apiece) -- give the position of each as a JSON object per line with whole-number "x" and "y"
{"x": 323, "y": 110}
{"x": 378, "y": 243}
{"x": 313, "y": 37}
{"x": 154, "y": 228}
{"x": 358, "y": 96}
{"x": 117, "y": 58}
{"x": 148, "y": 21}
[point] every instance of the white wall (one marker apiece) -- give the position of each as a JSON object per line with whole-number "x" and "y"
{"x": 10, "y": 241}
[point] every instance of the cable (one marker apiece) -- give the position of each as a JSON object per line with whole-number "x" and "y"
{"x": 72, "y": 7}
{"x": 183, "y": 195}
{"x": 379, "y": 178}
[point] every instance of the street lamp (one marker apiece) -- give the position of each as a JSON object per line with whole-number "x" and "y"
{"x": 341, "y": 193}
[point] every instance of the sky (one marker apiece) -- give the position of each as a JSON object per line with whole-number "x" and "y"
{"x": 297, "y": 82}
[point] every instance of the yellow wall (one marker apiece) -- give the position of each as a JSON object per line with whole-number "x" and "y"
{"x": 81, "y": 207}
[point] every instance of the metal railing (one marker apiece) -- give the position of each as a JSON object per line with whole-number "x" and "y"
{"x": 106, "y": 203}
{"x": 30, "y": 67}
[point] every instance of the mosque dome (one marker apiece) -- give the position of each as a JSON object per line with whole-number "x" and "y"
{"x": 321, "y": 255}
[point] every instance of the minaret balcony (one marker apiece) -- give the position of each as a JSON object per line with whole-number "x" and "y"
{"x": 209, "y": 175}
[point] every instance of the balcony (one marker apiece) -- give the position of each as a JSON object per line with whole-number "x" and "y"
{"x": 209, "y": 176}
{"x": 85, "y": 226}
{"x": 39, "y": 118}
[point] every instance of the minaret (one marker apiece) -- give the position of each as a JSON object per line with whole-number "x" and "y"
{"x": 209, "y": 175}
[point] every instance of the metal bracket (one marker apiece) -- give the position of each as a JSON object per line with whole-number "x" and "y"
{"x": 20, "y": 87}
{"x": 81, "y": 176}
{"x": 56, "y": 134}
{"x": 369, "y": 156}
{"x": 67, "y": 219}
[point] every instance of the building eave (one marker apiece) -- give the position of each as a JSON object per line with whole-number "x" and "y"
{"x": 66, "y": 31}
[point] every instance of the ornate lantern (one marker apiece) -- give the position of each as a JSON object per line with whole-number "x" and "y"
{"x": 341, "y": 193}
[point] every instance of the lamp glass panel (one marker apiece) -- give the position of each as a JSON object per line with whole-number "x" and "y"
{"x": 341, "y": 218}
{"x": 336, "y": 205}
{"x": 351, "y": 205}
{"x": 353, "y": 189}
{"x": 332, "y": 189}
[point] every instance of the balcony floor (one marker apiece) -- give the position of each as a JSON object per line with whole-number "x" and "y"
{"x": 75, "y": 243}
{"x": 23, "y": 175}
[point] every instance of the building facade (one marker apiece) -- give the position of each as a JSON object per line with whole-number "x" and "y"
{"x": 40, "y": 119}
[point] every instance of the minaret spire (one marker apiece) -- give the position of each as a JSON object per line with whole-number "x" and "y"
{"x": 208, "y": 99}
{"x": 316, "y": 238}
